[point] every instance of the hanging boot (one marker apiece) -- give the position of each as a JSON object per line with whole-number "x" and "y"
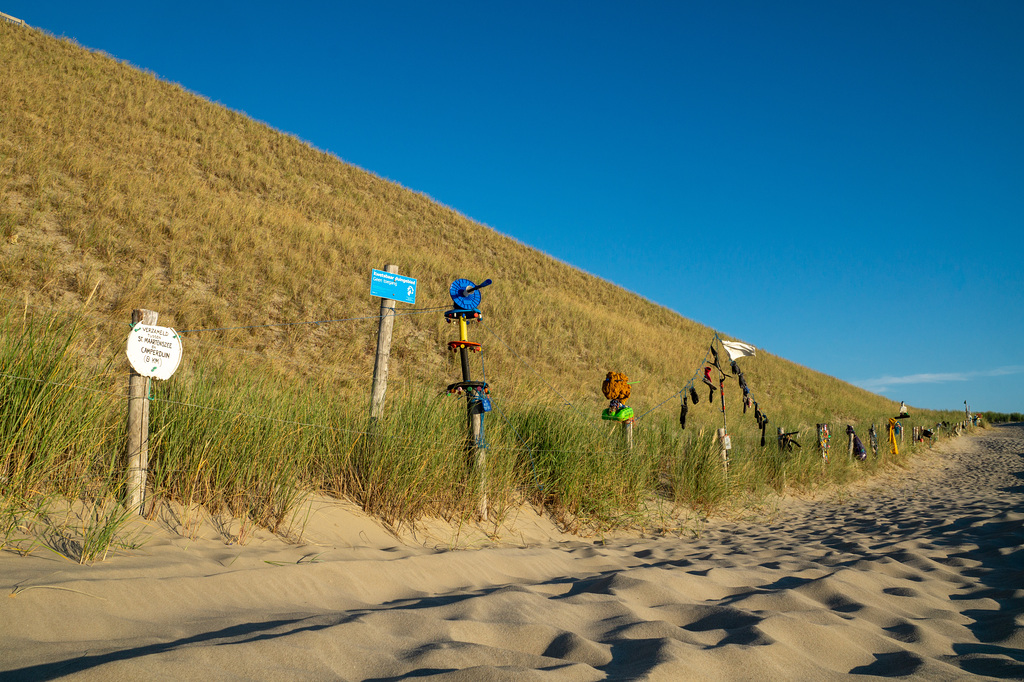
{"x": 711, "y": 385}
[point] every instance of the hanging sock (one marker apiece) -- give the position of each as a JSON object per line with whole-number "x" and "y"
{"x": 711, "y": 385}
{"x": 682, "y": 413}
{"x": 694, "y": 398}
{"x": 764, "y": 427}
{"x": 714, "y": 359}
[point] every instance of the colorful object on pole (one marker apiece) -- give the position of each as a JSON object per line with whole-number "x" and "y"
{"x": 824, "y": 440}
{"x": 616, "y": 388}
{"x": 466, "y": 297}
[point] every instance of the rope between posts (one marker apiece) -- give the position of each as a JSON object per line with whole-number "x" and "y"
{"x": 417, "y": 311}
{"x": 528, "y": 365}
{"x": 689, "y": 383}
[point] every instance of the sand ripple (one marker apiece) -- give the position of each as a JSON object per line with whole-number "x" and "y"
{"x": 922, "y": 579}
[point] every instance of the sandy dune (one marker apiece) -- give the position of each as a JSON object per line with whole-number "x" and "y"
{"x": 920, "y": 577}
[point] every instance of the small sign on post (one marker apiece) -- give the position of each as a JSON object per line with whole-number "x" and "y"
{"x": 393, "y": 286}
{"x": 154, "y": 351}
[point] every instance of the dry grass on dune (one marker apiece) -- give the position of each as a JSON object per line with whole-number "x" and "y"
{"x": 109, "y": 175}
{"x": 125, "y": 191}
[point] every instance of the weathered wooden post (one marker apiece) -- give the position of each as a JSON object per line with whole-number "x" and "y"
{"x": 380, "y": 367}
{"x": 479, "y": 449}
{"x": 849, "y": 440}
{"x": 137, "y": 448}
{"x": 723, "y": 448}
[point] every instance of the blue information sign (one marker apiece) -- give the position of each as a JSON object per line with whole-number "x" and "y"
{"x": 395, "y": 287}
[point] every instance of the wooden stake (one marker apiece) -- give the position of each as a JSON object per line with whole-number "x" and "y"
{"x": 380, "y": 366}
{"x": 137, "y": 447}
{"x": 476, "y": 419}
{"x": 627, "y": 428}
{"x": 722, "y": 451}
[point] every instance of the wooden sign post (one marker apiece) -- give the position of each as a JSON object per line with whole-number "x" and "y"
{"x": 380, "y": 365}
{"x": 137, "y": 449}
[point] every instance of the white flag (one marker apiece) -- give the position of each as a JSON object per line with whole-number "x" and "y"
{"x": 735, "y": 349}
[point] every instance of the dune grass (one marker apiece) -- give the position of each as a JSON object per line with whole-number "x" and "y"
{"x": 239, "y": 438}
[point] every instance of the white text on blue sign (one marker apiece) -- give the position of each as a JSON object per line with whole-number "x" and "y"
{"x": 395, "y": 287}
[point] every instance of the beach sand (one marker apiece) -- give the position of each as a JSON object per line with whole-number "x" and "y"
{"x": 917, "y": 575}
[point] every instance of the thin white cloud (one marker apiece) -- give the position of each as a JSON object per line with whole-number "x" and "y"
{"x": 883, "y": 383}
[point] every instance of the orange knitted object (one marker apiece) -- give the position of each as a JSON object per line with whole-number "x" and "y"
{"x": 616, "y": 386}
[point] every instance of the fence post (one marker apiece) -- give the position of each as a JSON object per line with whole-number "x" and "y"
{"x": 137, "y": 448}
{"x": 380, "y": 366}
{"x": 723, "y": 452}
{"x": 476, "y": 423}
{"x": 627, "y": 427}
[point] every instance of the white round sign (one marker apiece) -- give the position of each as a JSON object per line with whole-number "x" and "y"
{"x": 154, "y": 351}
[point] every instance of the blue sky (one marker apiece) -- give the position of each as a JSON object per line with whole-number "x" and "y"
{"x": 839, "y": 183}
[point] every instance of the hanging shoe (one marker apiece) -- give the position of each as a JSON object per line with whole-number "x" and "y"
{"x": 711, "y": 385}
{"x": 694, "y": 398}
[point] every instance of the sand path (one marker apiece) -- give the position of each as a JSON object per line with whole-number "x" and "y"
{"x": 921, "y": 578}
